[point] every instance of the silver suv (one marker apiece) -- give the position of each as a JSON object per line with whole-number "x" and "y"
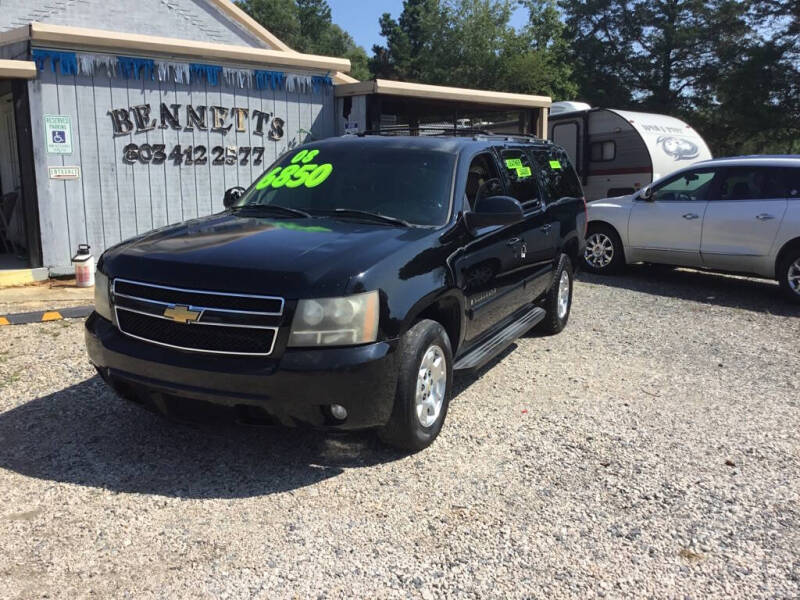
{"x": 739, "y": 215}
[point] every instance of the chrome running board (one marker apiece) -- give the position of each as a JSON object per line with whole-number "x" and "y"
{"x": 500, "y": 340}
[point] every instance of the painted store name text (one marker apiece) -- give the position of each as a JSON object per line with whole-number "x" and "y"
{"x": 137, "y": 119}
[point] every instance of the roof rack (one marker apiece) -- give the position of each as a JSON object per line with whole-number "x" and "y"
{"x": 478, "y": 134}
{"x": 426, "y": 130}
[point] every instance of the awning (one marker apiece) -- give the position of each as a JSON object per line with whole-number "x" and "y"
{"x": 59, "y": 36}
{"x": 437, "y": 92}
{"x": 17, "y": 69}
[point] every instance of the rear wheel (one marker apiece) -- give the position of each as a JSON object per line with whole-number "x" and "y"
{"x": 789, "y": 275}
{"x": 558, "y": 301}
{"x": 423, "y": 388}
{"x": 604, "y": 253}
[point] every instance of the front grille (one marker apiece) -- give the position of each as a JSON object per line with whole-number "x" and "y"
{"x": 212, "y": 322}
{"x": 235, "y": 340}
{"x": 170, "y": 295}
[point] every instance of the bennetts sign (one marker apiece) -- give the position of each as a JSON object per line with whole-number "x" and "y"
{"x": 141, "y": 118}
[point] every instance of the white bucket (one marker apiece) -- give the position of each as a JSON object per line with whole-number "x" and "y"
{"x": 83, "y": 262}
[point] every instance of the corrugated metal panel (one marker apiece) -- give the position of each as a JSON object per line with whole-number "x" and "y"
{"x": 114, "y": 199}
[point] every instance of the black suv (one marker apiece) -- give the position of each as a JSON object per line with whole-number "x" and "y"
{"x": 345, "y": 286}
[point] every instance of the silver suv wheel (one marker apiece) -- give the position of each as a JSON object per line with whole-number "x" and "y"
{"x": 599, "y": 250}
{"x": 793, "y": 277}
{"x": 431, "y": 386}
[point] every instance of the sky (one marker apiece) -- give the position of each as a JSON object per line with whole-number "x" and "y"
{"x": 360, "y": 18}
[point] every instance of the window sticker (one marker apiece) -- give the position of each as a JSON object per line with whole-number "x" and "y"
{"x": 523, "y": 172}
{"x": 514, "y": 163}
{"x": 300, "y": 171}
{"x": 554, "y": 164}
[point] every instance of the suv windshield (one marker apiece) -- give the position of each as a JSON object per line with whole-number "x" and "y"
{"x": 413, "y": 185}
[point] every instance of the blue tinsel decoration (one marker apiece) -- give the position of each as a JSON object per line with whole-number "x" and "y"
{"x": 210, "y": 73}
{"x": 320, "y": 82}
{"x": 274, "y": 80}
{"x": 132, "y": 67}
{"x": 67, "y": 61}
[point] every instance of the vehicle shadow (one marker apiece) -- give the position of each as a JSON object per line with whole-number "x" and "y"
{"x": 757, "y": 295}
{"x": 85, "y": 435}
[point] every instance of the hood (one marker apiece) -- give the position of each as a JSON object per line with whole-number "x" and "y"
{"x": 615, "y": 202}
{"x": 294, "y": 258}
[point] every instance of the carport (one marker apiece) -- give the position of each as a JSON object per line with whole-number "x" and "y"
{"x": 381, "y": 104}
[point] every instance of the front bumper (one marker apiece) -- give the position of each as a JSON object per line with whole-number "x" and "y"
{"x": 295, "y": 389}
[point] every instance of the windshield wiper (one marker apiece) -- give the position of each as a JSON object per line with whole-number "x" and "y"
{"x": 273, "y": 208}
{"x": 365, "y": 214}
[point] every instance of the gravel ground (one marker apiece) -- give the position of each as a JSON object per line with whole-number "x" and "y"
{"x": 650, "y": 450}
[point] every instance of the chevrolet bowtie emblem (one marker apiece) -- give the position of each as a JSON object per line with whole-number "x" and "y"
{"x": 182, "y": 314}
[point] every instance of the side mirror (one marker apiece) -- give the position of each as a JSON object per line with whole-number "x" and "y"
{"x": 232, "y": 195}
{"x": 646, "y": 193}
{"x": 494, "y": 210}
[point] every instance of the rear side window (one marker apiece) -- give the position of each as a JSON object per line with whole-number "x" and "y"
{"x": 793, "y": 183}
{"x": 558, "y": 177}
{"x": 522, "y": 177}
{"x": 751, "y": 183}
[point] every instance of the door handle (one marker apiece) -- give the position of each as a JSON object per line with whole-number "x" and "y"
{"x": 764, "y": 217}
{"x": 513, "y": 242}
{"x": 546, "y": 228}
{"x": 690, "y": 216}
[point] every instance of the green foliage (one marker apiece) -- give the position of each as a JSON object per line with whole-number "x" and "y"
{"x": 470, "y": 43}
{"x": 306, "y": 26}
{"x": 729, "y": 67}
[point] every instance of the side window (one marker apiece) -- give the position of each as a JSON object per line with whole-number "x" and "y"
{"x": 686, "y": 187}
{"x": 483, "y": 180}
{"x": 603, "y": 151}
{"x": 793, "y": 183}
{"x": 558, "y": 177}
{"x": 751, "y": 183}
{"x": 522, "y": 175}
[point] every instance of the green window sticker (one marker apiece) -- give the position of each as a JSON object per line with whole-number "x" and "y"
{"x": 300, "y": 171}
{"x": 554, "y": 164}
{"x": 514, "y": 163}
{"x": 523, "y": 172}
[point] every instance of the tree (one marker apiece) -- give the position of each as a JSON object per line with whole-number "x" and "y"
{"x": 306, "y": 26}
{"x": 470, "y": 43}
{"x": 729, "y": 67}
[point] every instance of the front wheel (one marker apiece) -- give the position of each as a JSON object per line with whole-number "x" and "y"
{"x": 604, "y": 253}
{"x": 789, "y": 276}
{"x": 558, "y": 301}
{"x": 423, "y": 388}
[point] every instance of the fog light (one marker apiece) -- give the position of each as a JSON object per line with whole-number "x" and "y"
{"x": 339, "y": 412}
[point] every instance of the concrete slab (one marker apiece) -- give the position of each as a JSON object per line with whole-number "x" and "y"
{"x": 46, "y": 295}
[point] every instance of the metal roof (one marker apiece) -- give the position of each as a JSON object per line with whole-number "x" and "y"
{"x": 438, "y": 92}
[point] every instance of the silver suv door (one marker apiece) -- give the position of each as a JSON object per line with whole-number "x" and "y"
{"x": 667, "y": 227}
{"x": 743, "y": 218}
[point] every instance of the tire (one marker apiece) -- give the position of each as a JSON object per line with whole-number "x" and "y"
{"x": 612, "y": 260}
{"x": 557, "y": 312}
{"x": 789, "y": 275}
{"x": 413, "y": 426}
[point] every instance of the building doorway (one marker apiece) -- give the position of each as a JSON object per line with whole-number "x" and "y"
{"x": 17, "y": 250}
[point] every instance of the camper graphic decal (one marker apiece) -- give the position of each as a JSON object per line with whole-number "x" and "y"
{"x": 677, "y": 147}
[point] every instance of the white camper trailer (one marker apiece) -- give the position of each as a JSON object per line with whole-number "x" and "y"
{"x": 616, "y": 152}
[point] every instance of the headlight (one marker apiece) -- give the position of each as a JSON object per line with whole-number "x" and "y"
{"x": 102, "y": 301}
{"x": 336, "y": 321}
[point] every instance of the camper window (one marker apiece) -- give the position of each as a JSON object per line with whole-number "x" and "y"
{"x": 603, "y": 151}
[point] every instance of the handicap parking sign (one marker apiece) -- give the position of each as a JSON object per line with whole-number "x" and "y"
{"x": 58, "y": 134}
